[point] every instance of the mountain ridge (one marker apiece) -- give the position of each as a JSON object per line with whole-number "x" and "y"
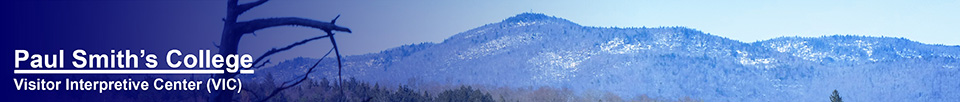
{"x": 532, "y": 50}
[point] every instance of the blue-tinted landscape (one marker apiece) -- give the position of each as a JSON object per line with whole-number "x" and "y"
{"x": 487, "y": 51}
{"x": 536, "y": 57}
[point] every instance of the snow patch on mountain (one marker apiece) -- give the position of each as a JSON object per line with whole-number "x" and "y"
{"x": 497, "y": 46}
{"x": 534, "y": 50}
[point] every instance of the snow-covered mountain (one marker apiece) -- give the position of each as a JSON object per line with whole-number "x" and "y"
{"x": 531, "y": 50}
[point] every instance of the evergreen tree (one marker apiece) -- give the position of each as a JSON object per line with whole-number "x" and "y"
{"x": 464, "y": 94}
{"x": 835, "y": 97}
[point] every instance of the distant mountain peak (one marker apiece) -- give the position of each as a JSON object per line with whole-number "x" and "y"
{"x": 536, "y": 50}
{"x": 533, "y": 17}
{"x": 527, "y": 17}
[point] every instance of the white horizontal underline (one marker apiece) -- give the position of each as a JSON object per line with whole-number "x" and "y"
{"x": 128, "y": 71}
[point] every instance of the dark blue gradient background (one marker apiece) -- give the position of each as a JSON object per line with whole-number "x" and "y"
{"x": 98, "y": 26}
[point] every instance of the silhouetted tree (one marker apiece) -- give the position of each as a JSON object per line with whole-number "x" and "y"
{"x": 835, "y": 97}
{"x": 404, "y": 94}
{"x": 464, "y": 94}
{"x": 234, "y": 30}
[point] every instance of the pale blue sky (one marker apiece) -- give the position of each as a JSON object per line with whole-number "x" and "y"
{"x": 383, "y": 24}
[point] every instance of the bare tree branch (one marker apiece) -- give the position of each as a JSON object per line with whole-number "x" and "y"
{"x": 215, "y": 44}
{"x": 288, "y": 47}
{"x": 264, "y": 64}
{"x": 339, "y": 64}
{"x": 257, "y": 24}
{"x": 305, "y": 77}
{"x": 234, "y": 9}
{"x": 247, "y": 6}
{"x": 251, "y": 92}
{"x": 234, "y": 30}
{"x": 232, "y": 13}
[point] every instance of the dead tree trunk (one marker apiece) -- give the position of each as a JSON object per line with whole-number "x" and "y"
{"x": 234, "y": 30}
